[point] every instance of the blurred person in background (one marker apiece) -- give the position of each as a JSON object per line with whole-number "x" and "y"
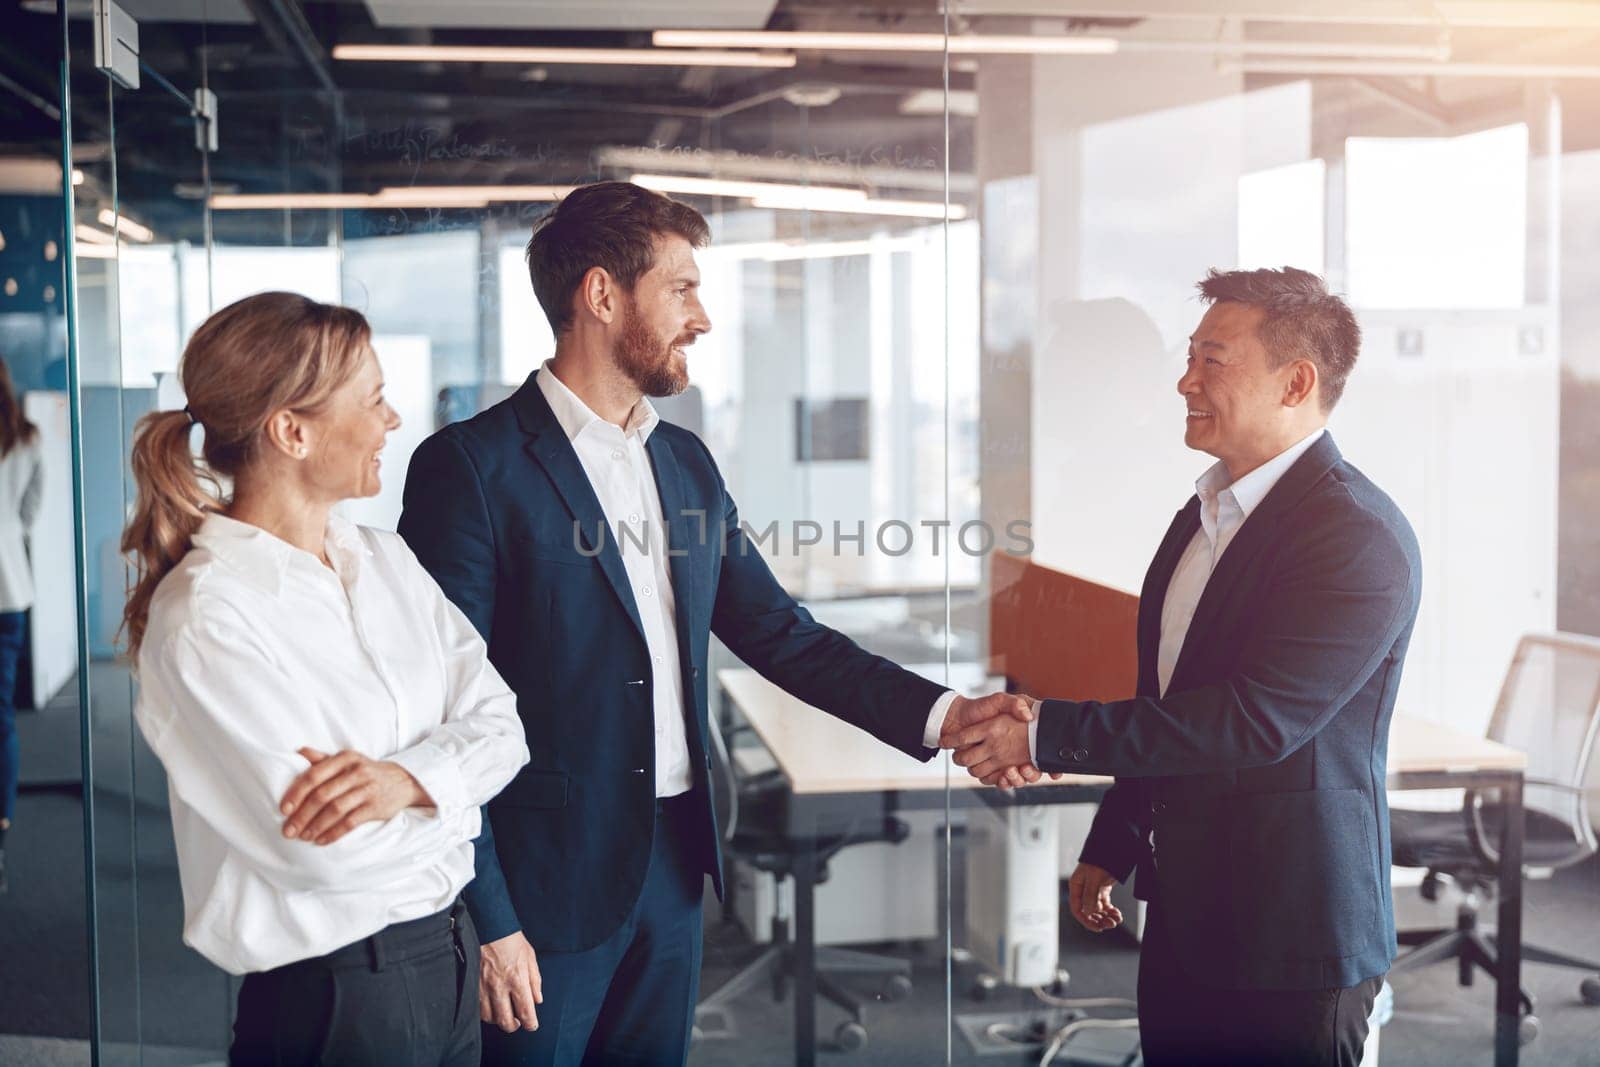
{"x": 21, "y": 483}
{"x": 328, "y": 721}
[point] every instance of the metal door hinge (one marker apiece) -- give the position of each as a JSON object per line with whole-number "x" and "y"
{"x": 116, "y": 44}
{"x": 205, "y": 120}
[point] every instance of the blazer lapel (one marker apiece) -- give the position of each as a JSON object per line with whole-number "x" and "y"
{"x": 1154, "y": 595}
{"x": 683, "y": 538}
{"x": 1259, "y": 530}
{"x": 548, "y": 445}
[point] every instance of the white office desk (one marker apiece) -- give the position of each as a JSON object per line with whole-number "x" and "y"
{"x": 833, "y": 769}
{"x": 1418, "y": 746}
{"x": 820, "y": 754}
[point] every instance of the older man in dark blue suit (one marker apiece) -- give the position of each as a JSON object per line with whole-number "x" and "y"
{"x": 596, "y": 549}
{"x": 1250, "y": 767}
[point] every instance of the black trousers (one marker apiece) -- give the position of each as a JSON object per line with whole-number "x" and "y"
{"x": 405, "y": 997}
{"x": 1185, "y": 1023}
{"x": 629, "y": 1001}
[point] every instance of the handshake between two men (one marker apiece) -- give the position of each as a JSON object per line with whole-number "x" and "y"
{"x": 992, "y": 737}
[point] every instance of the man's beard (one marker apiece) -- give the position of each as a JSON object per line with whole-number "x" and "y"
{"x": 647, "y": 362}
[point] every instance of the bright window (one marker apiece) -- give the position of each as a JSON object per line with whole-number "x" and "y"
{"x": 1437, "y": 222}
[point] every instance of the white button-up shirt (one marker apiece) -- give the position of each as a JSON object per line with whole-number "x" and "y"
{"x": 619, "y": 471}
{"x": 21, "y": 488}
{"x": 1224, "y": 507}
{"x": 255, "y": 649}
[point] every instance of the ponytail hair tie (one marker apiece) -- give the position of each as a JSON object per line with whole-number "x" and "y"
{"x": 192, "y": 419}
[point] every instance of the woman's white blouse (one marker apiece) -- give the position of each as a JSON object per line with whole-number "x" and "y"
{"x": 255, "y": 649}
{"x": 21, "y": 488}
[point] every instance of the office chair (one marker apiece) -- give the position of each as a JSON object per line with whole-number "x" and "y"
{"x": 752, "y": 812}
{"x": 1549, "y": 707}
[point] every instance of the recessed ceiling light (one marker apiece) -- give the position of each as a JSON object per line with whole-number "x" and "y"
{"x": 962, "y": 102}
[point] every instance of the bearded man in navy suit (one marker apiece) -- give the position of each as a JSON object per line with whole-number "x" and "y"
{"x": 596, "y": 549}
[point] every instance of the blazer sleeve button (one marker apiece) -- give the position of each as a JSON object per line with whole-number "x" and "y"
{"x": 1080, "y": 755}
{"x": 1065, "y": 753}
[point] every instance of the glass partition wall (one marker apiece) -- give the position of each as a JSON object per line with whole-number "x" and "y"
{"x": 1442, "y": 204}
{"x": 141, "y": 245}
{"x": 951, "y": 286}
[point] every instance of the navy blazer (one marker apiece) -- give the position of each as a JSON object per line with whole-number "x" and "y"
{"x": 499, "y": 510}
{"x": 1261, "y": 773}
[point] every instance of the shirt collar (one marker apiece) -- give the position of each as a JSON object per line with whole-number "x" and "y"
{"x": 575, "y": 416}
{"x": 264, "y": 558}
{"x": 1248, "y": 492}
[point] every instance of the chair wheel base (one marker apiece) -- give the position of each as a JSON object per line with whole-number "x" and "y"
{"x": 1589, "y": 989}
{"x": 1527, "y": 1029}
{"x": 850, "y": 1037}
{"x": 896, "y": 987}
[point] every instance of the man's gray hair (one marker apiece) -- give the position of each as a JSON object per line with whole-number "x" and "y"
{"x": 1300, "y": 320}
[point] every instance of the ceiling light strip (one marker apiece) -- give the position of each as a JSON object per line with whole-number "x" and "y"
{"x": 1025, "y": 44}
{"x": 691, "y": 186}
{"x": 627, "y": 57}
{"x": 463, "y": 196}
{"x": 969, "y": 44}
{"x": 443, "y": 195}
{"x": 905, "y": 209}
{"x": 126, "y": 226}
{"x": 90, "y": 235}
{"x": 289, "y": 201}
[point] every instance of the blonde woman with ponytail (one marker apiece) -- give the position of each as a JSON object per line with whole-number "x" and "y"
{"x": 328, "y": 721}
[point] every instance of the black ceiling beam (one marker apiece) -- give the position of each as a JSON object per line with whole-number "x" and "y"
{"x": 285, "y": 25}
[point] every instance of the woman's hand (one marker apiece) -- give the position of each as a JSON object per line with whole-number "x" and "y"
{"x": 337, "y": 793}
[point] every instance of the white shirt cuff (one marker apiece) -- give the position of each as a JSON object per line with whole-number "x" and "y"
{"x": 1033, "y": 734}
{"x": 936, "y": 717}
{"x": 437, "y": 773}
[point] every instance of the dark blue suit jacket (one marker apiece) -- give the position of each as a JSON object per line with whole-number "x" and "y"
{"x": 1261, "y": 772}
{"x": 492, "y": 506}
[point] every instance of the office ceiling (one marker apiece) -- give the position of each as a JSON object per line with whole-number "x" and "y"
{"x": 292, "y": 118}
